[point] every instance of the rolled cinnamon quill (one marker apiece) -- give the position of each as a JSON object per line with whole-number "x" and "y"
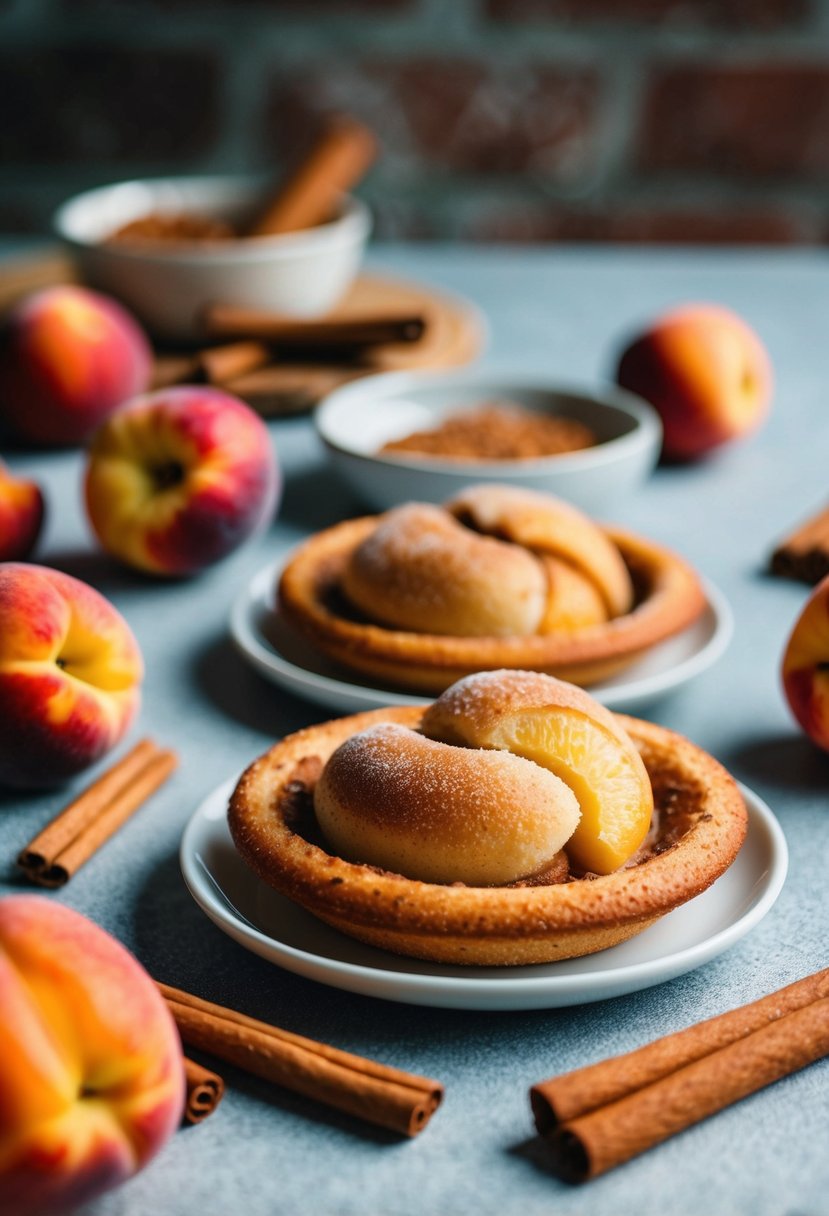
{"x": 572, "y": 1094}
{"x": 397, "y": 1100}
{"x": 232, "y": 322}
{"x": 339, "y": 158}
{"x": 173, "y": 369}
{"x": 804, "y": 554}
{"x": 221, "y": 364}
{"x": 74, "y": 835}
{"x": 283, "y": 389}
{"x": 204, "y": 1091}
{"x": 610, "y": 1135}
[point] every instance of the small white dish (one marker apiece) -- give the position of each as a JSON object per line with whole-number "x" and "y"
{"x": 277, "y": 929}
{"x": 287, "y": 660}
{"x": 301, "y": 274}
{"x": 355, "y": 421}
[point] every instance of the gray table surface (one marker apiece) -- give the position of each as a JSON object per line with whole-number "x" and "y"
{"x": 561, "y": 314}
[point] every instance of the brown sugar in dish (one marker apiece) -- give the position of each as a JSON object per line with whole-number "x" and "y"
{"x": 496, "y": 432}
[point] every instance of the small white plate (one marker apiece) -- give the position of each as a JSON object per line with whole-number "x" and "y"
{"x": 282, "y": 932}
{"x": 282, "y": 656}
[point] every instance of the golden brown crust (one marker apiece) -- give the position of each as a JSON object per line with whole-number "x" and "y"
{"x": 670, "y": 599}
{"x": 699, "y": 825}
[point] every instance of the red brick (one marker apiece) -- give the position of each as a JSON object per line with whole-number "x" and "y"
{"x": 458, "y": 114}
{"x": 735, "y": 14}
{"x": 641, "y": 225}
{"x": 101, "y": 104}
{"x": 751, "y": 119}
{"x": 277, "y": 7}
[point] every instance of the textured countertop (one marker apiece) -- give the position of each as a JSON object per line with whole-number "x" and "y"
{"x": 561, "y": 314}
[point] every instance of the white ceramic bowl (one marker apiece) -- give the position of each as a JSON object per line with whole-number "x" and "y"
{"x": 355, "y": 421}
{"x": 302, "y": 274}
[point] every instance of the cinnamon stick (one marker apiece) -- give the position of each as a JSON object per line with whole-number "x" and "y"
{"x": 338, "y": 159}
{"x": 73, "y": 836}
{"x": 205, "y": 1090}
{"x": 283, "y": 389}
{"x": 173, "y": 369}
{"x": 229, "y": 321}
{"x": 589, "y": 1146}
{"x": 572, "y": 1094}
{"x": 221, "y": 364}
{"x": 396, "y": 1100}
{"x": 804, "y": 554}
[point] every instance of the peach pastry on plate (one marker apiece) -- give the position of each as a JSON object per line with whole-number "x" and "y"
{"x": 514, "y": 820}
{"x": 497, "y": 577}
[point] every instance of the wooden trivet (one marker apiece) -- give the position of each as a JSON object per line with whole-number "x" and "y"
{"x": 454, "y": 336}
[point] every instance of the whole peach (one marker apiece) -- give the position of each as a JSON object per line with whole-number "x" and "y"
{"x": 68, "y": 357}
{"x": 91, "y": 1073}
{"x": 70, "y": 674}
{"x": 21, "y": 516}
{"x": 805, "y": 669}
{"x": 705, "y": 372}
{"x": 179, "y": 478}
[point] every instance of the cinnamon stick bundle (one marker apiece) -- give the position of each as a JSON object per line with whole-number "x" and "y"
{"x": 75, "y": 835}
{"x": 600, "y": 1116}
{"x": 205, "y": 1090}
{"x": 396, "y": 1100}
{"x": 232, "y": 322}
{"x": 804, "y": 554}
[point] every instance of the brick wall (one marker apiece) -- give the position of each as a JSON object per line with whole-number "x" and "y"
{"x": 633, "y": 120}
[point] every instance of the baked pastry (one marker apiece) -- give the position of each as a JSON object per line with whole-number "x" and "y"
{"x": 498, "y": 577}
{"x": 513, "y": 821}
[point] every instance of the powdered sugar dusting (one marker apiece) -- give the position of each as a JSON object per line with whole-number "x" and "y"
{"x": 392, "y": 797}
{"x": 420, "y": 569}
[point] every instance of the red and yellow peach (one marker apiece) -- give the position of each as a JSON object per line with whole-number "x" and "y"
{"x": 179, "y": 478}
{"x": 68, "y": 357}
{"x": 806, "y": 667}
{"x": 21, "y": 516}
{"x": 70, "y": 673}
{"x": 91, "y": 1072}
{"x": 705, "y": 372}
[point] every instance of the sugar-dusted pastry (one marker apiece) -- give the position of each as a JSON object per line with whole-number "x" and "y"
{"x": 390, "y": 797}
{"x": 420, "y": 569}
{"x": 539, "y": 523}
{"x": 562, "y": 729}
{"x": 497, "y": 577}
{"x": 513, "y": 821}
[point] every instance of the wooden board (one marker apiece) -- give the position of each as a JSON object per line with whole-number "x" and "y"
{"x": 455, "y": 335}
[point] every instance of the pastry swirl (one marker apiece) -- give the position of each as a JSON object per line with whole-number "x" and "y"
{"x": 422, "y": 596}
{"x": 391, "y": 797}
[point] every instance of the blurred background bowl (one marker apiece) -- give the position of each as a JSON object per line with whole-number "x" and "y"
{"x": 167, "y": 285}
{"x": 355, "y": 421}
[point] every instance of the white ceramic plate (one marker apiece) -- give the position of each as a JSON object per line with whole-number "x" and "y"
{"x": 283, "y": 657}
{"x": 266, "y": 923}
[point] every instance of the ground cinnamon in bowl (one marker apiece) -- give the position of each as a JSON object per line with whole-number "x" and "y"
{"x": 496, "y": 432}
{"x": 179, "y": 226}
